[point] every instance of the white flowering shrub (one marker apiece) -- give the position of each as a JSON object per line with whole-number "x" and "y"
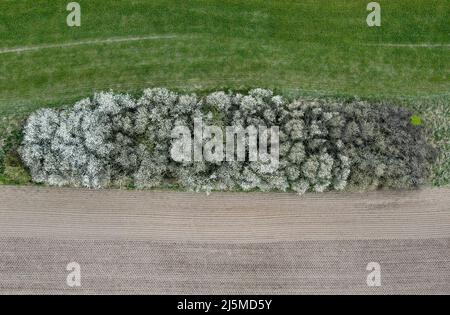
{"x": 114, "y": 140}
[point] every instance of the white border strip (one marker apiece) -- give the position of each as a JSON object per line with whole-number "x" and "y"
{"x": 85, "y": 42}
{"x": 424, "y": 45}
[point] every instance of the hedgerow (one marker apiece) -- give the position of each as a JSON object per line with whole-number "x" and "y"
{"x": 114, "y": 140}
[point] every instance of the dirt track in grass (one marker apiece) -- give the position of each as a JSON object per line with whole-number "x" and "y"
{"x": 222, "y": 217}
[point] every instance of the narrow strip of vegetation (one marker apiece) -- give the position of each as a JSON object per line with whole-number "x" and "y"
{"x": 115, "y": 140}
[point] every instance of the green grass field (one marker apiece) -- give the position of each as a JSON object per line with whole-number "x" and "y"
{"x": 308, "y": 47}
